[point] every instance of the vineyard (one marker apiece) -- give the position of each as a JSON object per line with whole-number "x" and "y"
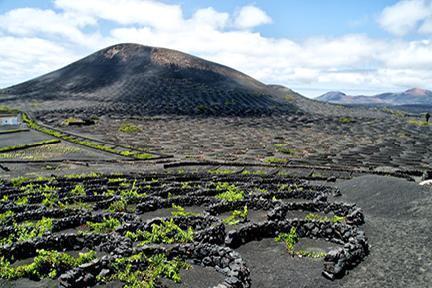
{"x": 151, "y": 230}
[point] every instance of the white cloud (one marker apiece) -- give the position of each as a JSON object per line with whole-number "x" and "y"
{"x": 144, "y": 12}
{"x": 210, "y": 18}
{"x": 405, "y": 16}
{"x": 250, "y": 17}
{"x": 29, "y": 22}
{"x": 26, "y": 57}
{"x": 35, "y": 41}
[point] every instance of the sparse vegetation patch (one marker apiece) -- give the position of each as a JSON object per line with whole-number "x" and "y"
{"x": 46, "y": 264}
{"x": 129, "y": 128}
{"x": 156, "y": 266}
{"x": 345, "y": 120}
{"x": 24, "y": 146}
{"x": 419, "y": 123}
{"x": 237, "y": 216}
{"x": 275, "y": 160}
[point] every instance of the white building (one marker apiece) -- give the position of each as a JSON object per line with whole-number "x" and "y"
{"x": 6, "y": 120}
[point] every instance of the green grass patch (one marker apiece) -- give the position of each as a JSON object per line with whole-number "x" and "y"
{"x": 275, "y": 160}
{"x": 129, "y": 128}
{"x": 221, "y": 171}
{"x": 102, "y": 147}
{"x": 44, "y": 152}
{"x": 8, "y": 110}
{"x": 332, "y": 219}
{"x": 345, "y": 120}
{"x": 420, "y": 123}
{"x": 254, "y": 172}
{"x": 25, "y": 146}
{"x": 72, "y": 121}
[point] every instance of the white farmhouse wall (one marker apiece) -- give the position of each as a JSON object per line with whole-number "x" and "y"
{"x": 12, "y": 120}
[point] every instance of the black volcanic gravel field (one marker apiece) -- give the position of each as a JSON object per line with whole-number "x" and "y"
{"x": 344, "y": 181}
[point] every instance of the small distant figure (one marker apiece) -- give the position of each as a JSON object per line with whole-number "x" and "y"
{"x": 427, "y": 116}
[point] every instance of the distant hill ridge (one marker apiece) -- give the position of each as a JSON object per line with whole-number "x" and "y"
{"x": 414, "y": 96}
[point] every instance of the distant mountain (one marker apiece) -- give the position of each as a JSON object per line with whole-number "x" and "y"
{"x": 334, "y": 97}
{"x": 415, "y": 96}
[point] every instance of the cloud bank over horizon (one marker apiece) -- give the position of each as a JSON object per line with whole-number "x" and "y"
{"x": 34, "y": 41}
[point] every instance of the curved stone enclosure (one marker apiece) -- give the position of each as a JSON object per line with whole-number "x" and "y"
{"x": 214, "y": 242}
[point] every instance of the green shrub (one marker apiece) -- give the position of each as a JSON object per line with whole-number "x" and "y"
{"x": 78, "y": 190}
{"x": 19, "y": 181}
{"x": 106, "y": 226}
{"x": 73, "y": 121}
{"x": 332, "y": 219}
{"x": 185, "y": 185}
{"x": 420, "y": 123}
{"x": 132, "y": 192}
{"x": 166, "y": 232}
{"x": 21, "y": 201}
{"x": 345, "y": 120}
{"x": 25, "y": 146}
{"x": 310, "y": 254}
{"x": 106, "y": 148}
{"x": 285, "y": 150}
{"x": 275, "y": 160}
{"x": 118, "y": 206}
{"x": 231, "y": 192}
{"x": 8, "y": 110}
{"x": 181, "y": 212}
{"x": 27, "y": 230}
{"x": 6, "y": 216}
{"x": 237, "y": 216}
{"x": 45, "y": 264}
{"x": 221, "y": 171}
{"x": 290, "y": 239}
{"x": 50, "y": 200}
{"x": 157, "y": 266}
{"x": 129, "y": 128}
{"x": 255, "y": 172}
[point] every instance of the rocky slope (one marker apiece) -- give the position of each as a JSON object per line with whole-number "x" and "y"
{"x": 131, "y": 79}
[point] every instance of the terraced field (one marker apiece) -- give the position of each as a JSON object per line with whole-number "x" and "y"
{"x": 168, "y": 229}
{"x": 388, "y": 143}
{"x": 147, "y": 167}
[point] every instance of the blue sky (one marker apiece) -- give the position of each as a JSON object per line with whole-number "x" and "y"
{"x": 311, "y": 46}
{"x": 299, "y": 19}
{"x": 315, "y": 17}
